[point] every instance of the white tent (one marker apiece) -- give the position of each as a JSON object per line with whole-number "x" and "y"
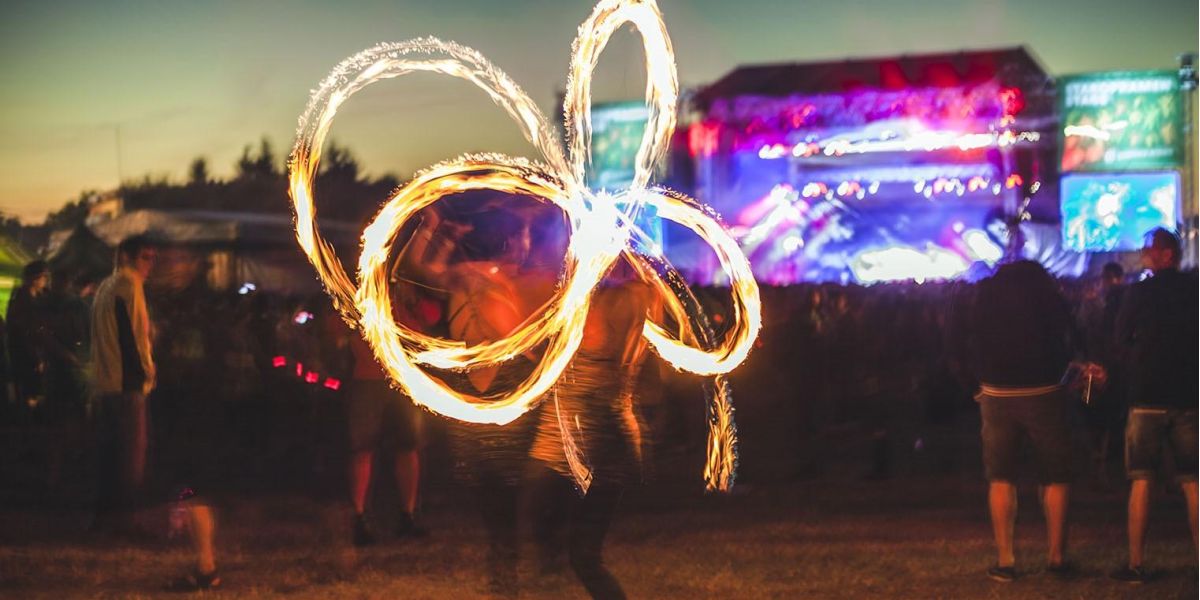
{"x": 228, "y": 248}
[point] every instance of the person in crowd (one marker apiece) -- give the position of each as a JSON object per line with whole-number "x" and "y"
{"x": 1156, "y": 334}
{"x": 123, "y": 375}
{"x": 380, "y": 419}
{"x": 29, "y": 319}
{"x": 1019, "y": 332}
{"x": 7, "y": 410}
{"x": 67, "y": 352}
{"x": 589, "y": 423}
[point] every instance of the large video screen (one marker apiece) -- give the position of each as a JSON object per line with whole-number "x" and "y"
{"x": 616, "y": 134}
{"x": 1121, "y": 121}
{"x": 1113, "y": 212}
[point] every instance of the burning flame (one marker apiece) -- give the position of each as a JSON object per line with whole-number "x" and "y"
{"x": 601, "y": 229}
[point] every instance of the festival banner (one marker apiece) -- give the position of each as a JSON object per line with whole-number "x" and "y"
{"x": 1121, "y": 121}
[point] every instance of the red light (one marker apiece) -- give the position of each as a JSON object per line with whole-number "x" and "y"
{"x": 299, "y": 369}
{"x": 1012, "y": 101}
{"x": 333, "y": 384}
{"x": 279, "y": 361}
{"x": 311, "y": 377}
{"x": 1013, "y": 181}
{"x": 702, "y": 139}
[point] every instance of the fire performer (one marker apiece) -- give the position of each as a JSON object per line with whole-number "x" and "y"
{"x": 592, "y": 409}
{"x": 485, "y": 303}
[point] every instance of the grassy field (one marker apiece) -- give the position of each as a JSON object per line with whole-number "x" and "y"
{"x": 923, "y": 537}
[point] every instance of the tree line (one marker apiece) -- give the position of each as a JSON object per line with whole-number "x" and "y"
{"x": 258, "y": 185}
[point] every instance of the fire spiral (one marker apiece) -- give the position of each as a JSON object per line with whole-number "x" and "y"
{"x": 600, "y": 225}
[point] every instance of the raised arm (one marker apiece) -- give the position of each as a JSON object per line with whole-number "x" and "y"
{"x": 427, "y": 254}
{"x": 482, "y": 308}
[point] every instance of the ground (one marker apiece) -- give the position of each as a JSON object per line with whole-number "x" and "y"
{"x": 923, "y": 536}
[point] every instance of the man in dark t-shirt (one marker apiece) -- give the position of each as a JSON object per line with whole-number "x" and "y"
{"x": 1156, "y": 337}
{"x": 1019, "y": 346}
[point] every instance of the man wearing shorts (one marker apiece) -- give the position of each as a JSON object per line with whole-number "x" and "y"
{"x": 381, "y": 419}
{"x": 1018, "y": 343}
{"x": 1156, "y": 332}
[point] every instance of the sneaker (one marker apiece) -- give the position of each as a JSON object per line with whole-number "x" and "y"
{"x": 195, "y": 582}
{"x": 1002, "y": 574}
{"x": 362, "y": 534}
{"x": 406, "y": 527}
{"x": 1131, "y": 575}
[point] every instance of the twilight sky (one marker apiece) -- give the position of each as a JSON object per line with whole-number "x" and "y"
{"x": 93, "y": 92}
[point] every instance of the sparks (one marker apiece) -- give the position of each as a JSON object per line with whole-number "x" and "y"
{"x": 601, "y": 230}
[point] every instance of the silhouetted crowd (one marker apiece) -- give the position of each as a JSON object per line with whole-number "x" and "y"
{"x": 247, "y": 390}
{"x": 260, "y": 371}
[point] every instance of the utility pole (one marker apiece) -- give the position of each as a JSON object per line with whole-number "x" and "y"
{"x": 117, "y": 140}
{"x": 1190, "y": 227}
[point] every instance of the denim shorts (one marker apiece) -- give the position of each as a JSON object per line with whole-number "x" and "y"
{"x": 1148, "y": 430}
{"x": 1041, "y": 419}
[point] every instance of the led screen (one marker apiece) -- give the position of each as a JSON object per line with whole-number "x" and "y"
{"x": 1114, "y": 211}
{"x": 856, "y": 232}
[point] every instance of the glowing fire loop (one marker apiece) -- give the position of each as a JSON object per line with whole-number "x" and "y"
{"x": 601, "y": 229}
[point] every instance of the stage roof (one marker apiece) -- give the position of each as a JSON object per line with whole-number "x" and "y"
{"x": 1011, "y": 66}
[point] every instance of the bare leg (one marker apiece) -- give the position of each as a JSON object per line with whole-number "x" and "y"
{"x": 1055, "y": 498}
{"x": 590, "y": 521}
{"x": 1002, "y": 501}
{"x": 1139, "y": 513}
{"x": 408, "y": 479}
{"x": 360, "y": 479}
{"x": 1189, "y": 492}
{"x": 202, "y": 527}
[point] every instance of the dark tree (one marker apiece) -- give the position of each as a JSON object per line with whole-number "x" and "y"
{"x": 260, "y": 166}
{"x": 198, "y": 171}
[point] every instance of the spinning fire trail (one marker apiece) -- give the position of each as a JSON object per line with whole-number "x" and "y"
{"x": 601, "y": 229}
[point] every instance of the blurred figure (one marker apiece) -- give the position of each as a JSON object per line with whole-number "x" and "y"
{"x": 195, "y": 516}
{"x": 1018, "y": 343}
{"x": 1105, "y": 407}
{"x": 591, "y": 411}
{"x": 28, "y": 333}
{"x": 485, "y": 304}
{"x": 7, "y": 410}
{"x": 67, "y": 355}
{"x": 124, "y": 374}
{"x": 1156, "y": 334}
